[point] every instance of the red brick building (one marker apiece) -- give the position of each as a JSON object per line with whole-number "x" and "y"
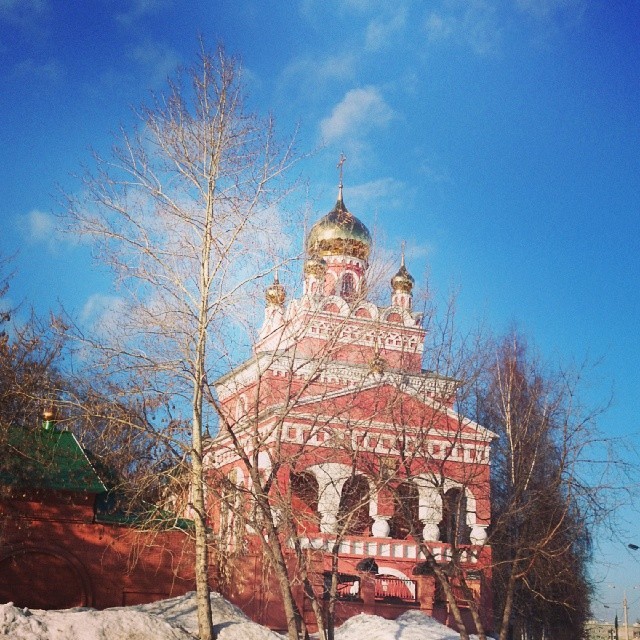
{"x": 367, "y": 444}
{"x": 59, "y": 549}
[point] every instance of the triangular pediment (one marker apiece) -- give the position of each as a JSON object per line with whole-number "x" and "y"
{"x": 379, "y": 402}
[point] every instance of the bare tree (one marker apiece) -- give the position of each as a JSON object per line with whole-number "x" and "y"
{"x": 184, "y": 211}
{"x": 544, "y": 502}
{"x": 443, "y": 461}
{"x": 31, "y": 357}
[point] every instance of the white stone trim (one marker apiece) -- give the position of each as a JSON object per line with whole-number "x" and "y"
{"x": 390, "y": 571}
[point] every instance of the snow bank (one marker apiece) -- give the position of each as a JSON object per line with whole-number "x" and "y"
{"x": 78, "y": 624}
{"x": 173, "y": 619}
{"x": 176, "y": 619}
{"x": 411, "y": 625}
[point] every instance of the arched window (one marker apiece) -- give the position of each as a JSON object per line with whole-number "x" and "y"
{"x": 348, "y": 287}
{"x": 304, "y": 501}
{"x": 406, "y": 518}
{"x": 241, "y": 408}
{"x": 353, "y": 513}
{"x": 453, "y": 528}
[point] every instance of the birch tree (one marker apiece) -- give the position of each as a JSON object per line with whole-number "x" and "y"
{"x": 544, "y": 501}
{"x": 184, "y": 210}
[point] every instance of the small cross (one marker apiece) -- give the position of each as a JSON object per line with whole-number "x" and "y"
{"x": 340, "y": 163}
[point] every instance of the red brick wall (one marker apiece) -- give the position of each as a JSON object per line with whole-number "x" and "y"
{"x": 53, "y": 554}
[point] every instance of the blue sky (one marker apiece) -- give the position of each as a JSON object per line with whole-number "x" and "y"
{"x": 500, "y": 138}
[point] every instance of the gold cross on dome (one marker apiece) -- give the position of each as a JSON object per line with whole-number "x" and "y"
{"x": 341, "y": 161}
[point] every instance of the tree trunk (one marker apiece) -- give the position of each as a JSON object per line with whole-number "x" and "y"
{"x": 295, "y": 622}
{"x": 205, "y": 627}
{"x": 473, "y": 607}
{"x": 508, "y": 604}
{"x": 443, "y": 579}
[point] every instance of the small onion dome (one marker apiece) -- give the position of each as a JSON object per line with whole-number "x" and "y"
{"x": 275, "y": 293}
{"x": 403, "y": 280}
{"x": 315, "y": 265}
{"x": 49, "y": 419}
{"x": 339, "y": 233}
{"x": 377, "y": 364}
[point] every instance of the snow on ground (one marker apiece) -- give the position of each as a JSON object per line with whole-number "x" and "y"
{"x": 173, "y": 619}
{"x": 411, "y": 625}
{"x": 176, "y": 619}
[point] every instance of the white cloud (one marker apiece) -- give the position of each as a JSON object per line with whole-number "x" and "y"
{"x": 382, "y": 31}
{"x": 50, "y": 71}
{"x": 359, "y": 111}
{"x": 101, "y": 310}
{"x": 552, "y": 18}
{"x": 440, "y": 27}
{"x": 385, "y": 191}
{"x": 22, "y": 12}
{"x": 481, "y": 24}
{"x": 309, "y": 76}
{"x": 475, "y": 25}
{"x": 39, "y": 227}
{"x": 543, "y": 9}
{"x": 159, "y": 61}
{"x": 362, "y": 5}
{"x": 139, "y": 9}
{"x": 418, "y": 252}
{"x": 436, "y": 173}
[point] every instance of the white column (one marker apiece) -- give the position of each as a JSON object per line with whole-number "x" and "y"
{"x": 430, "y": 511}
{"x": 328, "y": 504}
{"x": 380, "y": 527}
{"x": 478, "y": 534}
{"x": 331, "y": 478}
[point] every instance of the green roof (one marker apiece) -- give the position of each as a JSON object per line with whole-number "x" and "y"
{"x": 148, "y": 515}
{"x": 47, "y": 459}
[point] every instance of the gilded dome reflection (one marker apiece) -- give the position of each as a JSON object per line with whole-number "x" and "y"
{"x": 339, "y": 233}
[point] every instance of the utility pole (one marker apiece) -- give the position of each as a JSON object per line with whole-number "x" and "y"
{"x": 626, "y": 615}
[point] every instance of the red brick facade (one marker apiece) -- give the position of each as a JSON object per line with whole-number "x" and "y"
{"x": 54, "y": 554}
{"x": 335, "y": 395}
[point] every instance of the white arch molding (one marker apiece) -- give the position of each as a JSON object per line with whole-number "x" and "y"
{"x": 331, "y": 477}
{"x": 390, "y": 571}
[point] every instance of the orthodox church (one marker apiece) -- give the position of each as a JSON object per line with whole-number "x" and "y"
{"x": 368, "y": 453}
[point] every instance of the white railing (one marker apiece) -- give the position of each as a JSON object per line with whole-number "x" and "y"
{"x": 386, "y": 548}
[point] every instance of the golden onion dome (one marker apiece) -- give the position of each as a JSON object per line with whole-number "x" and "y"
{"x": 403, "y": 280}
{"x": 315, "y": 265}
{"x": 275, "y": 293}
{"x": 339, "y": 233}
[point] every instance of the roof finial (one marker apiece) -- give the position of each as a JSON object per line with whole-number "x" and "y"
{"x": 341, "y": 161}
{"x": 403, "y": 245}
{"x": 275, "y": 293}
